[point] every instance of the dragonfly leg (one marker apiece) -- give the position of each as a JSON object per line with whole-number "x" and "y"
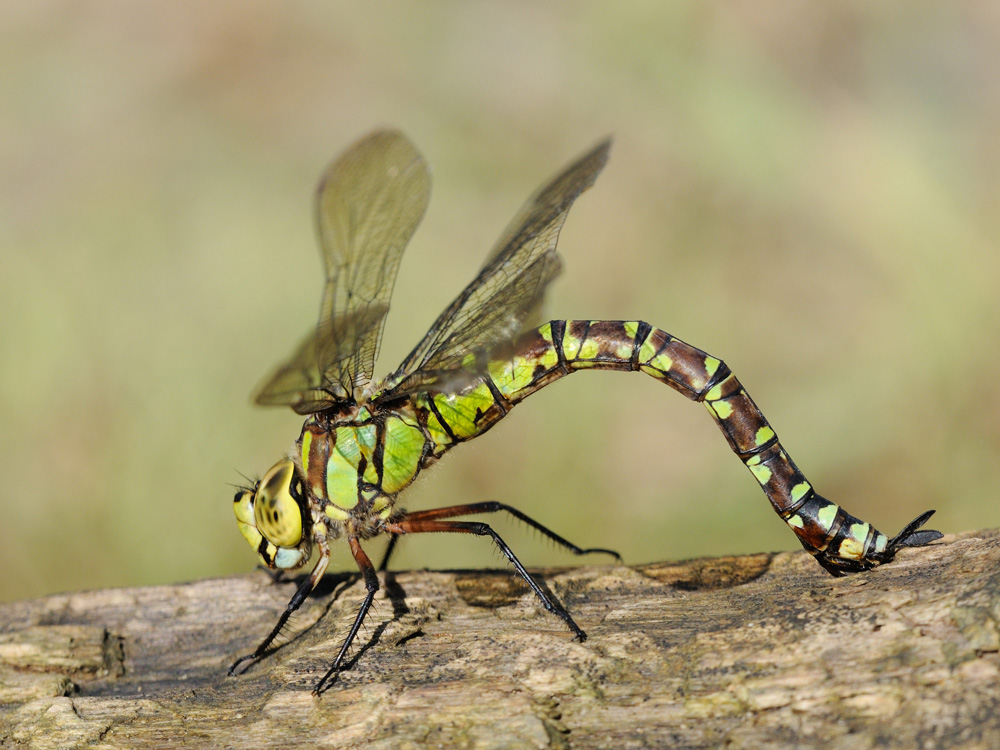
{"x": 390, "y": 548}
{"x": 301, "y": 594}
{"x": 492, "y": 506}
{"x": 410, "y": 525}
{"x": 371, "y": 584}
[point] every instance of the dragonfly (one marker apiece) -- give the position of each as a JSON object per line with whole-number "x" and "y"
{"x": 365, "y": 440}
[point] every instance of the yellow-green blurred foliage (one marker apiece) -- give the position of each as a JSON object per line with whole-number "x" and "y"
{"x": 809, "y": 191}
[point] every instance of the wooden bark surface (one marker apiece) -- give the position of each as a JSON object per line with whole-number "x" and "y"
{"x": 762, "y": 651}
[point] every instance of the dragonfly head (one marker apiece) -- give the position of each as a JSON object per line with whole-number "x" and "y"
{"x": 272, "y": 517}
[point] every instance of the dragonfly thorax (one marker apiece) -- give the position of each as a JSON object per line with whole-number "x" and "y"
{"x": 353, "y": 464}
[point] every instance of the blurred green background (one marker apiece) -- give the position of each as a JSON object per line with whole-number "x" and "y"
{"x": 809, "y": 191}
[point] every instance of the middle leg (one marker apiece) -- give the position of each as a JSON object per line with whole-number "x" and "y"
{"x": 410, "y": 525}
{"x": 492, "y": 506}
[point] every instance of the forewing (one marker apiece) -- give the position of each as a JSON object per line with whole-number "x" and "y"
{"x": 506, "y": 292}
{"x": 368, "y": 205}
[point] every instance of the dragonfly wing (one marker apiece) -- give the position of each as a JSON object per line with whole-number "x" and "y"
{"x": 299, "y": 382}
{"x": 368, "y": 205}
{"x": 493, "y": 309}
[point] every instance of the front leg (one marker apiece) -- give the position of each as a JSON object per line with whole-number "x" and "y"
{"x": 371, "y": 584}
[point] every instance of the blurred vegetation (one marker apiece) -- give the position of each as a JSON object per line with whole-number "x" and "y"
{"x": 808, "y": 191}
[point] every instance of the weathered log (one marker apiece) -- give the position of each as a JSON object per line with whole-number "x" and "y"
{"x": 762, "y": 651}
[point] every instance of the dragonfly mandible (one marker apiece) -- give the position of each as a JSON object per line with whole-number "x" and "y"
{"x": 365, "y": 440}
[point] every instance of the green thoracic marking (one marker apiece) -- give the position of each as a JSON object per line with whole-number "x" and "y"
{"x": 305, "y": 445}
{"x": 365, "y": 441}
{"x": 350, "y": 445}
{"x": 404, "y": 445}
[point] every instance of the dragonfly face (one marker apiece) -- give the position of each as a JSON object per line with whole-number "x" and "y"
{"x": 273, "y": 515}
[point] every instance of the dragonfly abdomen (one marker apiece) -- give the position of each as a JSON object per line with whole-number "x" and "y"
{"x": 841, "y": 542}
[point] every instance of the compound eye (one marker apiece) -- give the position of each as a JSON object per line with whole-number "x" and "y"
{"x": 277, "y": 511}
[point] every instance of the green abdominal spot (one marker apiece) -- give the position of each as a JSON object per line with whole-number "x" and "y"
{"x": 512, "y": 375}
{"x": 461, "y": 411}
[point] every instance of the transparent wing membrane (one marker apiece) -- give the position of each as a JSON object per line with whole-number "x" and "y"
{"x": 368, "y": 205}
{"x": 489, "y": 313}
{"x": 302, "y": 382}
